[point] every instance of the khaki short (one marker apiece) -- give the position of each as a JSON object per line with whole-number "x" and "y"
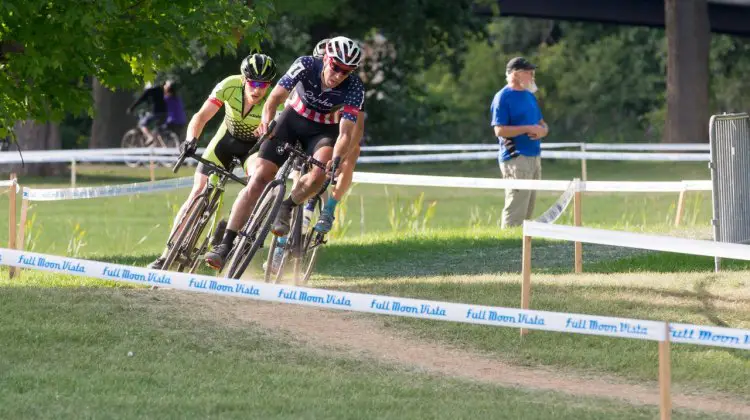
{"x": 519, "y": 204}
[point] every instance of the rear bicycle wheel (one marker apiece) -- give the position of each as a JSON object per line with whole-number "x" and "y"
{"x": 257, "y": 228}
{"x": 131, "y": 140}
{"x": 182, "y": 233}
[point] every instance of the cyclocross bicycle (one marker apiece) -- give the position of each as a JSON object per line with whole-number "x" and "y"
{"x": 185, "y": 243}
{"x": 252, "y": 236}
{"x": 303, "y": 241}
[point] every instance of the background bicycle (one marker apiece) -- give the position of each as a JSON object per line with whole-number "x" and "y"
{"x": 163, "y": 138}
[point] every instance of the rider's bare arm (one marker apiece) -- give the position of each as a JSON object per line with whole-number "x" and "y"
{"x": 359, "y": 133}
{"x": 277, "y": 97}
{"x": 346, "y": 140}
{"x": 199, "y": 120}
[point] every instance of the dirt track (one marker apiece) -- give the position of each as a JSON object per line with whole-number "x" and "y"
{"x": 355, "y": 335}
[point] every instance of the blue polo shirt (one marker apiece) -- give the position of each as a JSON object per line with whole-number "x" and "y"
{"x": 512, "y": 108}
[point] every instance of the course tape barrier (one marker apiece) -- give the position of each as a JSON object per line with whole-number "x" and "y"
{"x": 528, "y": 184}
{"x": 167, "y": 155}
{"x": 56, "y": 194}
{"x": 52, "y": 194}
{"x": 467, "y": 156}
{"x": 385, "y": 305}
{"x": 635, "y": 147}
{"x": 556, "y": 210}
{"x": 638, "y": 240}
{"x": 8, "y": 183}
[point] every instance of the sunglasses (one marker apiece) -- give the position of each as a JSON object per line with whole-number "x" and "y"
{"x": 339, "y": 68}
{"x": 258, "y": 84}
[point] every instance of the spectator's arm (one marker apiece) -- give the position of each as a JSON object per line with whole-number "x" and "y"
{"x": 545, "y": 127}
{"x": 511, "y": 130}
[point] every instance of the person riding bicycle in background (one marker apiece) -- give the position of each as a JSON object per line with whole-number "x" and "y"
{"x": 243, "y": 97}
{"x": 154, "y": 95}
{"x": 176, "y": 119}
{"x": 327, "y": 85}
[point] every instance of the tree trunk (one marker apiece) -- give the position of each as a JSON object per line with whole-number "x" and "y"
{"x": 111, "y": 121}
{"x": 35, "y": 136}
{"x": 688, "y": 41}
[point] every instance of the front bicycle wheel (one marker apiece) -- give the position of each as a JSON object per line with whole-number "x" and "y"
{"x": 189, "y": 254}
{"x": 257, "y": 228}
{"x": 169, "y": 141}
{"x": 131, "y": 140}
{"x": 182, "y": 234}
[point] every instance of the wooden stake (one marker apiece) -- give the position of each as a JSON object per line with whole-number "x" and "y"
{"x": 526, "y": 274}
{"x": 577, "y": 220}
{"x": 665, "y": 379}
{"x": 680, "y": 208}
{"x": 12, "y": 219}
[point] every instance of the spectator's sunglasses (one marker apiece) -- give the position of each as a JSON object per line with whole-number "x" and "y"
{"x": 258, "y": 84}
{"x": 339, "y": 68}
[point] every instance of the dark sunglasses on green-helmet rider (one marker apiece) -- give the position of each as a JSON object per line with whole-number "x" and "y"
{"x": 258, "y": 84}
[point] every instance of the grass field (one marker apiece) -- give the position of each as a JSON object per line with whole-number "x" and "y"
{"x": 66, "y": 342}
{"x": 65, "y": 355}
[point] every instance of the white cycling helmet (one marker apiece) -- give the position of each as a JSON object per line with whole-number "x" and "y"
{"x": 344, "y": 50}
{"x": 320, "y": 48}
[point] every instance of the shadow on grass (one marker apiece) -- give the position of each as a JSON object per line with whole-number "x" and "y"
{"x": 693, "y": 307}
{"x": 663, "y": 262}
{"x": 429, "y": 256}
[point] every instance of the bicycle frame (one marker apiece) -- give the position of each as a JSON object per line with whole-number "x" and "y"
{"x": 193, "y": 225}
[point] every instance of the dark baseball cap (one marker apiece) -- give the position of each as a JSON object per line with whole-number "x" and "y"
{"x": 519, "y": 63}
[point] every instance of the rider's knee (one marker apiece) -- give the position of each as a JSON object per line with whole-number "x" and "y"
{"x": 258, "y": 182}
{"x": 318, "y": 175}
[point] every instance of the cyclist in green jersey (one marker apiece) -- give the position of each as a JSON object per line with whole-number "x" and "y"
{"x": 243, "y": 97}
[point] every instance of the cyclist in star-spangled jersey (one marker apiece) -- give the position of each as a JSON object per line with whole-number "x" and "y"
{"x": 324, "y": 87}
{"x": 316, "y": 103}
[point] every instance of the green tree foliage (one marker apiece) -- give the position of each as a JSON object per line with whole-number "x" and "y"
{"x": 596, "y": 82}
{"x": 51, "y": 49}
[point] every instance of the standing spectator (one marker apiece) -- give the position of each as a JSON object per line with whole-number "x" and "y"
{"x": 518, "y": 124}
{"x": 176, "y": 119}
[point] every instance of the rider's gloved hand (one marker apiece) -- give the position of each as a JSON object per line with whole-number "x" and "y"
{"x": 190, "y": 146}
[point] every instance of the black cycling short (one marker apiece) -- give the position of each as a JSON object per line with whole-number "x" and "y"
{"x": 222, "y": 148}
{"x": 291, "y": 126}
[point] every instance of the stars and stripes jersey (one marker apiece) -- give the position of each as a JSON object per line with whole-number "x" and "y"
{"x": 317, "y": 104}
{"x": 241, "y": 123}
